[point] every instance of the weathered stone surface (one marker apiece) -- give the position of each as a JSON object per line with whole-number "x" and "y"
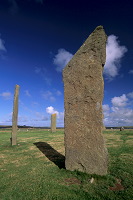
{"x": 15, "y": 116}
{"x": 83, "y": 93}
{"x": 53, "y": 123}
{"x": 104, "y": 128}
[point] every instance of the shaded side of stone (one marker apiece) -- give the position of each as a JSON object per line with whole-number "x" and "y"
{"x": 53, "y": 123}
{"x": 83, "y": 94}
{"x": 15, "y": 116}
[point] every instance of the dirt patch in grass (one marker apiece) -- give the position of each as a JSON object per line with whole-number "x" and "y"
{"x": 118, "y": 186}
{"x": 2, "y": 156}
{"x": 32, "y": 148}
{"x": 72, "y": 181}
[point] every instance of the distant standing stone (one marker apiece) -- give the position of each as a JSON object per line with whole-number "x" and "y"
{"x": 15, "y": 116}
{"x": 121, "y": 128}
{"x": 85, "y": 148}
{"x": 53, "y": 123}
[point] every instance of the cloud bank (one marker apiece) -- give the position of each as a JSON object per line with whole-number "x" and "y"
{"x": 131, "y": 71}
{"x": 51, "y": 110}
{"x": 120, "y": 113}
{"x": 2, "y": 46}
{"x": 61, "y": 59}
{"x": 6, "y": 95}
{"x": 27, "y": 93}
{"x": 60, "y": 115}
{"x": 119, "y": 101}
{"x": 114, "y": 54}
{"x": 130, "y": 95}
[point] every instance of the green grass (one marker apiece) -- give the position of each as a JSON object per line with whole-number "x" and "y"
{"x": 28, "y": 174}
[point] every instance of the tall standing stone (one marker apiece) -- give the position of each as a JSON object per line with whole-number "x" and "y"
{"x": 15, "y": 116}
{"x": 53, "y": 123}
{"x": 83, "y": 93}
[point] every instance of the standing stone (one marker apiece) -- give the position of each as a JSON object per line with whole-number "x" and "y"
{"x": 15, "y": 116}
{"x": 83, "y": 93}
{"x": 53, "y": 123}
{"x": 104, "y": 128}
{"x": 121, "y": 128}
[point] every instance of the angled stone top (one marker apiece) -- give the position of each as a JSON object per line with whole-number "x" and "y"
{"x": 94, "y": 46}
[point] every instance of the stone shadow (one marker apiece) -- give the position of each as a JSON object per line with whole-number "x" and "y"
{"x": 53, "y": 155}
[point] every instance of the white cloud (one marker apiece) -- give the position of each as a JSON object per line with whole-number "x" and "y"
{"x": 36, "y": 119}
{"x": 47, "y": 95}
{"x": 6, "y": 95}
{"x": 130, "y": 95}
{"x": 2, "y": 46}
{"x": 131, "y": 71}
{"x": 51, "y": 110}
{"x": 106, "y": 111}
{"x": 106, "y": 108}
{"x": 58, "y": 93}
{"x": 27, "y": 93}
{"x": 114, "y": 54}
{"x": 119, "y": 101}
{"x": 60, "y": 115}
{"x": 119, "y": 114}
{"x": 61, "y": 59}
{"x": 121, "y": 117}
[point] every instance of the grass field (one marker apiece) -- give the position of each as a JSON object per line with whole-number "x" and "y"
{"x": 34, "y": 169}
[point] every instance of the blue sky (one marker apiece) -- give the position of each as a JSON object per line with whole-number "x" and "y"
{"x": 39, "y": 37}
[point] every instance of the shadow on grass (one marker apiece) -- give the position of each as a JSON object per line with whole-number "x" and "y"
{"x": 53, "y": 155}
